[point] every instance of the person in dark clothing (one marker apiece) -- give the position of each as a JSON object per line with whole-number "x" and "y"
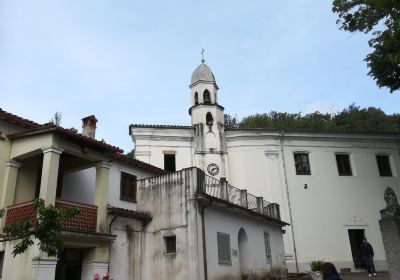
{"x": 366, "y": 254}
{"x": 329, "y": 271}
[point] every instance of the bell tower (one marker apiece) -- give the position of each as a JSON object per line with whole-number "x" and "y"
{"x": 208, "y": 121}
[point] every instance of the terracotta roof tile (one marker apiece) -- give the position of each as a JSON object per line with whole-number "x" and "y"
{"x": 14, "y": 119}
{"x": 67, "y": 133}
{"x": 140, "y": 164}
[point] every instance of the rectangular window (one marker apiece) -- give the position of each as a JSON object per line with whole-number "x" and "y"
{"x": 302, "y": 164}
{"x": 343, "y": 164}
{"x": 384, "y": 165}
{"x": 224, "y": 248}
{"x": 267, "y": 244}
{"x": 128, "y": 187}
{"x": 169, "y": 162}
{"x": 170, "y": 244}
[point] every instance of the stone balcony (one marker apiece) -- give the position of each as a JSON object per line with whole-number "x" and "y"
{"x": 220, "y": 189}
{"x": 85, "y": 221}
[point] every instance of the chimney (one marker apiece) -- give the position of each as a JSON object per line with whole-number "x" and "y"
{"x": 89, "y": 126}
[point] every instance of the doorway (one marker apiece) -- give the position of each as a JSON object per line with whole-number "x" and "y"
{"x": 69, "y": 265}
{"x": 244, "y": 254}
{"x": 356, "y": 237}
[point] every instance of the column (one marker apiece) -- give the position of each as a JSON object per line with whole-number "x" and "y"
{"x": 260, "y": 204}
{"x": 223, "y": 189}
{"x": 243, "y": 198}
{"x": 101, "y": 195}
{"x": 48, "y": 184}
{"x": 9, "y": 185}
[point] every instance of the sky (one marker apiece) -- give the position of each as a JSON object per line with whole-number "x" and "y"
{"x": 130, "y": 62}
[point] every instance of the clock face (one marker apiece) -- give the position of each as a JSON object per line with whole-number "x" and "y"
{"x": 212, "y": 169}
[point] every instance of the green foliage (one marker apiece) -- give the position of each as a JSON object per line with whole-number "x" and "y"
{"x": 46, "y": 229}
{"x": 382, "y": 18}
{"x": 316, "y": 265}
{"x": 230, "y": 122}
{"x": 351, "y": 119}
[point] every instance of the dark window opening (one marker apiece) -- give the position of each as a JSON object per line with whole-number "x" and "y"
{"x": 38, "y": 181}
{"x": 384, "y": 165}
{"x": 170, "y": 244}
{"x": 128, "y": 187}
{"x": 302, "y": 164}
{"x": 196, "y": 99}
{"x": 209, "y": 119}
{"x": 1, "y": 263}
{"x": 59, "y": 184}
{"x": 206, "y": 97}
{"x": 356, "y": 237}
{"x": 69, "y": 265}
{"x": 343, "y": 164}
{"x": 169, "y": 162}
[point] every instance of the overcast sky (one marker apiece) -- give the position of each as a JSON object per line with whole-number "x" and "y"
{"x": 130, "y": 61}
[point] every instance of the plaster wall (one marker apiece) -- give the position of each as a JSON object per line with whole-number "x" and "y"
{"x": 227, "y": 221}
{"x": 5, "y": 148}
{"x": 19, "y": 267}
{"x": 170, "y": 200}
{"x": 26, "y": 180}
{"x": 324, "y": 205}
{"x": 125, "y": 251}
{"x": 150, "y": 145}
{"x": 79, "y": 186}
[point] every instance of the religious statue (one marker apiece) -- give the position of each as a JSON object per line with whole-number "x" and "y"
{"x": 392, "y": 209}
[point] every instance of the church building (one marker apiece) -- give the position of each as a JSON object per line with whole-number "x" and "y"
{"x": 329, "y": 185}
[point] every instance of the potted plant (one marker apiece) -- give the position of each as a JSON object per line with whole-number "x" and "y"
{"x": 316, "y": 269}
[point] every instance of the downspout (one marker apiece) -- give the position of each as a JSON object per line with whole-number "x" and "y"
{"x": 203, "y": 231}
{"x": 282, "y": 135}
{"x": 109, "y": 246}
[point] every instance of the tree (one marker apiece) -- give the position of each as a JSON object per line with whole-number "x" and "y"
{"x": 351, "y": 119}
{"x": 46, "y": 228}
{"x": 56, "y": 119}
{"x": 381, "y": 18}
{"x": 230, "y": 122}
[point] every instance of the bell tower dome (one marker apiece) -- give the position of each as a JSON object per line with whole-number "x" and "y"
{"x": 208, "y": 121}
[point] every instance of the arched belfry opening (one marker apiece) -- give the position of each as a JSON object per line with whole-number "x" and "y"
{"x": 207, "y": 97}
{"x": 209, "y": 119}
{"x": 244, "y": 251}
{"x": 196, "y": 98}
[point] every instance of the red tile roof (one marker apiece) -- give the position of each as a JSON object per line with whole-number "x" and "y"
{"x": 122, "y": 212}
{"x": 140, "y": 164}
{"x": 14, "y": 119}
{"x": 68, "y": 134}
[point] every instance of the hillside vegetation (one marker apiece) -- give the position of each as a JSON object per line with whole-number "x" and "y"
{"x": 351, "y": 119}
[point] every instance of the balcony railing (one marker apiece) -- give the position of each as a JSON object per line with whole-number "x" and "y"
{"x": 222, "y": 190}
{"x": 85, "y": 221}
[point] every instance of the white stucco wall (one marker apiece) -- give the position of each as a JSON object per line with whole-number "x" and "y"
{"x": 150, "y": 144}
{"x": 80, "y": 186}
{"x": 262, "y": 162}
{"x": 230, "y": 222}
{"x": 125, "y": 251}
{"x": 331, "y": 204}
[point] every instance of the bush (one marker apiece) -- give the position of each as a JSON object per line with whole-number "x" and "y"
{"x": 273, "y": 273}
{"x": 316, "y": 265}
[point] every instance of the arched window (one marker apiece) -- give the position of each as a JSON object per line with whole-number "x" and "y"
{"x": 196, "y": 98}
{"x": 209, "y": 119}
{"x": 206, "y": 97}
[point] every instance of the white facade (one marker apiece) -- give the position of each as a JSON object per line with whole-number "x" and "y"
{"x": 321, "y": 207}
